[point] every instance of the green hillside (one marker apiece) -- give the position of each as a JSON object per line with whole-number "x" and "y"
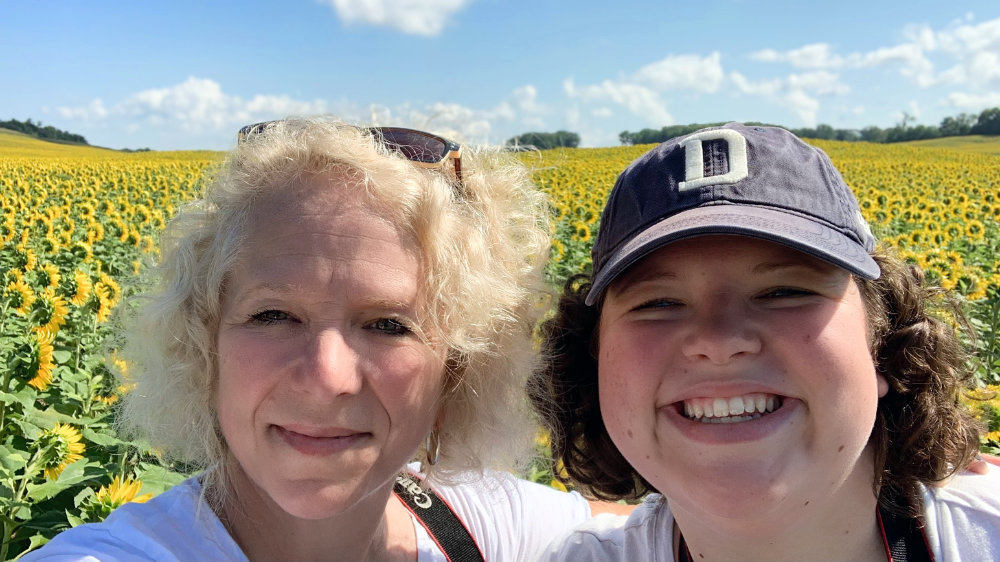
{"x": 972, "y": 143}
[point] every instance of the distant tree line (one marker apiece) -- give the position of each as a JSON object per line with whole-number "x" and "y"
{"x": 543, "y": 141}
{"x": 986, "y": 123}
{"x": 47, "y": 132}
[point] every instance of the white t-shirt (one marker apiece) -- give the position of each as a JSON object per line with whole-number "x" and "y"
{"x": 962, "y": 523}
{"x": 510, "y": 519}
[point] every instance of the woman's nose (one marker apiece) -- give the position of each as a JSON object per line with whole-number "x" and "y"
{"x": 330, "y": 365}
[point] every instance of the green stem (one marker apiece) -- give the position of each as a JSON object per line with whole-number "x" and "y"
{"x": 9, "y": 523}
{"x": 3, "y": 410}
{"x": 6, "y": 540}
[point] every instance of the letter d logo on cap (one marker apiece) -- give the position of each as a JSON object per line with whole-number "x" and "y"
{"x": 694, "y": 159}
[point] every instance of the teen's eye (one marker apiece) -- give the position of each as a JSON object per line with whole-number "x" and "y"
{"x": 269, "y": 317}
{"x": 390, "y": 326}
{"x": 657, "y": 304}
{"x": 785, "y": 292}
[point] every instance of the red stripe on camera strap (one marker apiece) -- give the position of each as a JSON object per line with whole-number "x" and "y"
{"x": 440, "y": 520}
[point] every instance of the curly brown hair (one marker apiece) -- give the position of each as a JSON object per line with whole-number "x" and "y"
{"x": 922, "y": 433}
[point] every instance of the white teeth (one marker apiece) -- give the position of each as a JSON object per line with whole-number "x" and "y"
{"x": 733, "y": 409}
{"x": 735, "y": 406}
{"x": 721, "y": 407}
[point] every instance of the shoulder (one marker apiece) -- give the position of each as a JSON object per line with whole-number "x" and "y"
{"x": 646, "y": 534}
{"x": 511, "y": 518}
{"x": 962, "y": 517}
{"x": 175, "y": 525}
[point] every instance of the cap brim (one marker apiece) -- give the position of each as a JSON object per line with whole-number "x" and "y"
{"x": 803, "y": 234}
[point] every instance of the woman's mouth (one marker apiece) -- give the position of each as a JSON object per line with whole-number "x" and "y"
{"x": 321, "y": 442}
{"x": 732, "y": 409}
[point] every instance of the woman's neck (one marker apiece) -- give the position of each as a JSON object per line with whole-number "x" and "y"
{"x": 379, "y": 528}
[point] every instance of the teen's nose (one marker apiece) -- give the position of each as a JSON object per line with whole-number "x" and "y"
{"x": 719, "y": 333}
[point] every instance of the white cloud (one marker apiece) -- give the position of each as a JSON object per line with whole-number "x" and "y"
{"x": 971, "y": 38}
{"x": 417, "y": 17}
{"x": 822, "y": 83}
{"x": 683, "y": 72}
{"x": 910, "y": 56}
{"x": 199, "y": 104}
{"x": 94, "y": 111}
{"x": 640, "y": 100}
{"x": 973, "y": 49}
{"x": 816, "y": 55}
{"x": 798, "y": 92}
{"x": 526, "y": 98}
{"x": 602, "y": 112}
{"x": 973, "y": 102}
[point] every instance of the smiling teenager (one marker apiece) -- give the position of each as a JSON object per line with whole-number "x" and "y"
{"x": 342, "y": 302}
{"x": 746, "y": 351}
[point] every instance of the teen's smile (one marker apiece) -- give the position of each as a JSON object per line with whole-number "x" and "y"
{"x": 749, "y": 358}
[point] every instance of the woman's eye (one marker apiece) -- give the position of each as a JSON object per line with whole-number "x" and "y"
{"x": 268, "y": 317}
{"x": 390, "y": 326}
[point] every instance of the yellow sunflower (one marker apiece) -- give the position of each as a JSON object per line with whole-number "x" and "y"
{"x": 60, "y": 448}
{"x": 48, "y": 276}
{"x": 7, "y": 230}
{"x": 50, "y": 312}
{"x": 40, "y": 362}
{"x": 114, "y": 290}
{"x": 82, "y": 250}
{"x": 24, "y": 257}
{"x": 558, "y": 250}
{"x": 120, "y": 492}
{"x": 103, "y": 304}
{"x": 21, "y": 296}
{"x": 81, "y": 288}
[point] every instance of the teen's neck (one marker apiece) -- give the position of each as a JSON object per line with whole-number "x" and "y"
{"x": 380, "y": 529}
{"x": 825, "y": 528}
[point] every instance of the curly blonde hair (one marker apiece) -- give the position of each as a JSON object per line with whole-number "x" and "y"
{"x": 483, "y": 243}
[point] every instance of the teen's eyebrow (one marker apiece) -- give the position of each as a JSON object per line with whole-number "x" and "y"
{"x": 639, "y": 275}
{"x": 815, "y": 265}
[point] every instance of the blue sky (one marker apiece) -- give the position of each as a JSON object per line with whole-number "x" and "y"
{"x": 187, "y": 75}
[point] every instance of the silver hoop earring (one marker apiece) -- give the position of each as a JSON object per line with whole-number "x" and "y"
{"x": 432, "y": 448}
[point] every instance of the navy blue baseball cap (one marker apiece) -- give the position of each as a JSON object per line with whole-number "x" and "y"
{"x": 754, "y": 181}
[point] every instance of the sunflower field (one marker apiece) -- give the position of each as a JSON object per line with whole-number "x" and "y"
{"x": 78, "y": 226}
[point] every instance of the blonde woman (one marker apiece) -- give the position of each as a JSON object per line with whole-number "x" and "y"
{"x": 343, "y": 301}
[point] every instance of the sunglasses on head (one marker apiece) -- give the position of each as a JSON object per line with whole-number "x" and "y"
{"x": 424, "y": 149}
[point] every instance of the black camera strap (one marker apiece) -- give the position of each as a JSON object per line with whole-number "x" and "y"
{"x": 440, "y": 520}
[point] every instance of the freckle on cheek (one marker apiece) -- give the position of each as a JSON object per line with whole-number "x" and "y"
{"x": 629, "y": 433}
{"x": 841, "y": 448}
